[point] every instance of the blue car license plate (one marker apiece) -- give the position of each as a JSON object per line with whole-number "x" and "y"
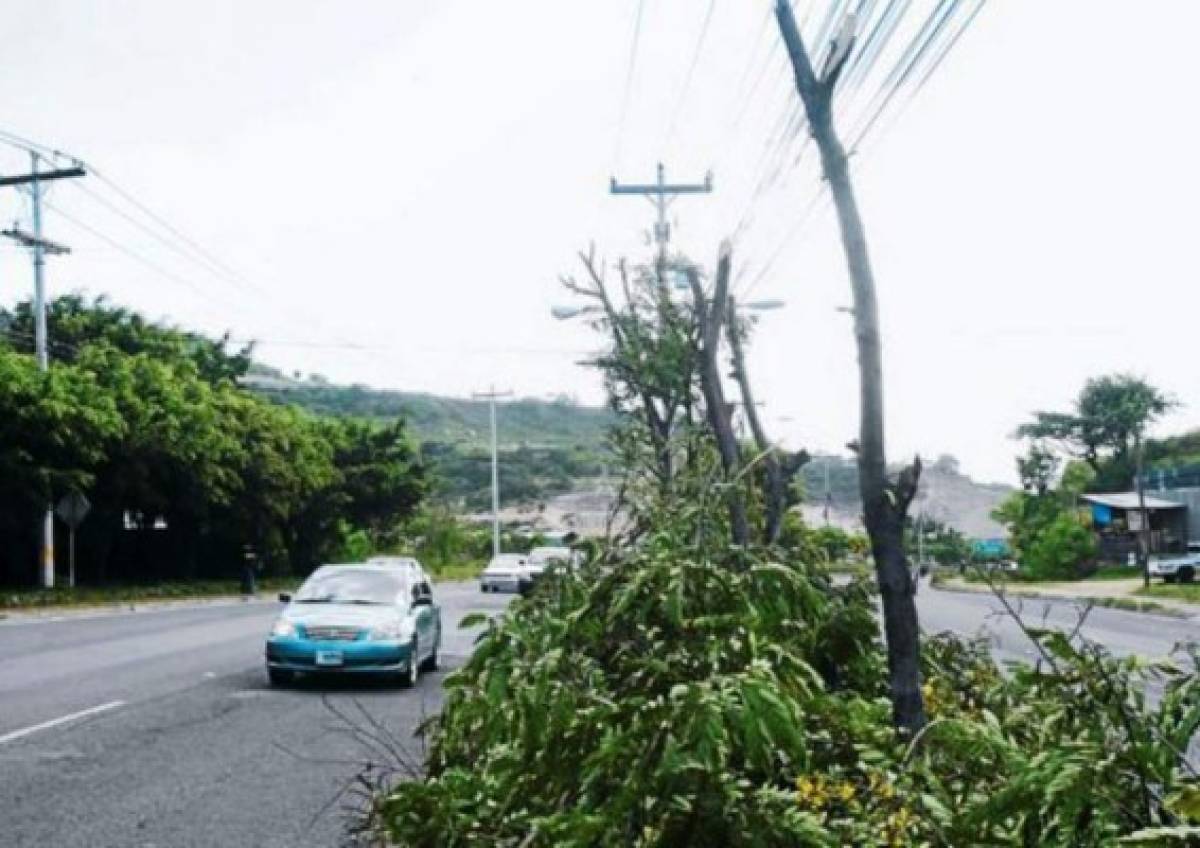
{"x": 329, "y": 657}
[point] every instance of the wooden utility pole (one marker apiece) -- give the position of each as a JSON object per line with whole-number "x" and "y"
{"x": 1139, "y": 445}
{"x": 39, "y": 247}
{"x": 662, "y": 194}
{"x": 884, "y": 504}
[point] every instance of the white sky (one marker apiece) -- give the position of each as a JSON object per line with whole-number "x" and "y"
{"x": 412, "y": 177}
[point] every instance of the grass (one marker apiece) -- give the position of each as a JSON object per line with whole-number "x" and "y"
{"x": 468, "y": 570}
{"x": 1175, "y": 591}
{"x": 1108, "y": 572}
{"x": 1135, "y": 605}
{"x": 181, "y": 590}
{"x": 80, "y": 596}
{"x": 844, "y": 566}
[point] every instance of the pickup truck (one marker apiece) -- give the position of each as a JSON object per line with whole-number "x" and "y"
{"x": 1181, "y": 569}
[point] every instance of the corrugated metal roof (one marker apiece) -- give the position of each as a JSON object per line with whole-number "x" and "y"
{"x": 1129, "y": 500}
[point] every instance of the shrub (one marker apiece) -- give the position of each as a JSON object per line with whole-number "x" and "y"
{"x": 679, "y": 697}
{"x": 1060, "y": 551}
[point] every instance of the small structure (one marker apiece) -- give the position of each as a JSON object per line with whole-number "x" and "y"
{"x": 1117, "y": 520}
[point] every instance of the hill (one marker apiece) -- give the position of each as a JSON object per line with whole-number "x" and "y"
{"x": 528, "y": 422}
{"x": 946, "y": 494}
{"x": 553, "y": 447}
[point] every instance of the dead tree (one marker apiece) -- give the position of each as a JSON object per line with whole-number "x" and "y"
{"x": 776, "y": 489}
{"x": 711, "y": 317}
{"x": 659, "y": 408}
{"x": 885, "y": 504}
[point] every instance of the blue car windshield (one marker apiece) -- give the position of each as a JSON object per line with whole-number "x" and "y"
{"x": 350, "y": 586}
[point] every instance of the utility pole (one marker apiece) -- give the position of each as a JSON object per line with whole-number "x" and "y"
{"x": 1144, "y": 526}
{"x": 491, "y": 397}
{"x": 40, "y": 248}
{"x": 662, "y": 194}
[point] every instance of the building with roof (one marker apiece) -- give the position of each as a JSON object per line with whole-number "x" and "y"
{"x": 1117, "y": 519}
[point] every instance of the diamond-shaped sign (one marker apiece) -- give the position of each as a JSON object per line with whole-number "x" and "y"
{"x": 73, "y": 508}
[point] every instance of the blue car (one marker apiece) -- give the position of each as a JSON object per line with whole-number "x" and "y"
{"x": 377, "y": 617}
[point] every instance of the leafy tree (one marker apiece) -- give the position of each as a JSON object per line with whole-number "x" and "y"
{"x": 1059, "y": 550}
{"x": 1109, "y": 419}
{"x": 184, "y": 468}
{"x": 382, "y": 475}
{"x": 1037, "y": 469}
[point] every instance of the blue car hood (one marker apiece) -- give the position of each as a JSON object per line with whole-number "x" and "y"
{"x": 343, "y": 615}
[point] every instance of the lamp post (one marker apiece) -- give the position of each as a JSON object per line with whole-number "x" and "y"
{"x": 491, "y": 397}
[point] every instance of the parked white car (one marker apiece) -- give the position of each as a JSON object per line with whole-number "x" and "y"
{"x": 505, "y": 573}
{"x": 541, "y": 557}
{"x": 1182, "y": 569}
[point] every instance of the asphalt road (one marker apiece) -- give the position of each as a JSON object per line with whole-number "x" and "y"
{"x": 1120, "y": 631}
{"x": 159, "y": 728}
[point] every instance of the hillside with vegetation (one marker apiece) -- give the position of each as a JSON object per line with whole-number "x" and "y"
{"x": 547, "y": 447}
{"x": 530, "y": 422}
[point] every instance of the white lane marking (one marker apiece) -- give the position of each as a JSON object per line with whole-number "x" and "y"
{"x": 55, "y": 722}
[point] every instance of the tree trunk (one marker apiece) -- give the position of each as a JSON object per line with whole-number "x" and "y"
{"x": 711, "y": 317}
{"x": 884, "y": 505}
{"x": 775, "y": 494}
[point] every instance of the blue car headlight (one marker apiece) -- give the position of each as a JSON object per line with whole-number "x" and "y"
{"x": 283, "y": 629}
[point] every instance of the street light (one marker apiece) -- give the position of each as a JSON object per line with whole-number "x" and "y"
{"x": 764, "y": 305}
{"x": 564, "y": 313}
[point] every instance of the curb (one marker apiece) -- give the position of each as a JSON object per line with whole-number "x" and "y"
{"x": 1166, "y": 609}
{"x": 81, "y": 611}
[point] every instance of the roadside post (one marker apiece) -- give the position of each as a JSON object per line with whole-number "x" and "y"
{"x": 72, "y": 509}
{"x": 249, "y": 561}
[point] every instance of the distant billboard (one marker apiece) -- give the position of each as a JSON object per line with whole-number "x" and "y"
{"x": 990, "y": 548}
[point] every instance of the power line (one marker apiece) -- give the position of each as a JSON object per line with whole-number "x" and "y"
{"x": 173, "y": 246}
{"x": 908, "y": 59}
{"x": 637, "y": 32}
{"x": 166, "y": 225}
{"x": 687, "y": 80}
{"x": 130, "y": 253}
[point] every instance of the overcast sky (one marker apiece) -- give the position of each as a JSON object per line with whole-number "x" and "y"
{"x": 410, "y": 178}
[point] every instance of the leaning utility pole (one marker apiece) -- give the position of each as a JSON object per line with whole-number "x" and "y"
{"x": 885, "y": 504}
{"x": 40, "y": 248}
{"x": 662, "y": 195}
{"x": 491, "y": 397}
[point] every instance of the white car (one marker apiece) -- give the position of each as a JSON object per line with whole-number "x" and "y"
{"x": 1176, "y": 569}
{"x": 504, "y": 573}
{"x": 540, "y": 558}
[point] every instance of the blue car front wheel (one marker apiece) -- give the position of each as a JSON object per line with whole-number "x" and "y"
{"x": 412, "y": 673}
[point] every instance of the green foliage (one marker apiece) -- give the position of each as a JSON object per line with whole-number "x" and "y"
{"x": 1049, "y": 540}
{"x": 1059, "y": 550}
{"x": 463, "y": 474}
{"x": 662, "y": 699}
{"x": 942, "y": 543}
{"x": 676, "y": 696}
{"x": 1111, "y": 413}
{"x": 526, "y": 421}
{"x": 183, "y": 467}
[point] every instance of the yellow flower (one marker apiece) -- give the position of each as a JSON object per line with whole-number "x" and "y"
{"x": 811, "y": 791}
{"x": 880, "y": 786}
{"x": 897, "y": 825}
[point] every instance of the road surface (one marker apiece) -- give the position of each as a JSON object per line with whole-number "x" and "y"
{"x": 1122, "y": 632}
{"x": 159, "y": 729}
